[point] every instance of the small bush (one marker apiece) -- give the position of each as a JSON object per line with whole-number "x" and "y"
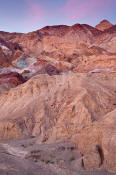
{"x": 72, "y": 158}
{"x": 24, "y": 146}
{"x": 50, "y": 161}
{"x": 35, "y": 151}
{"x": 35, "y": 160}
{"x": 32, "y": 137}
{"x": 62, "y": 148}
{"x": 71, "y": 148}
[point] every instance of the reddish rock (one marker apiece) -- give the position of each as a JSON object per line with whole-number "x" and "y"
{"x": 103, "y": 25}
{"x": 44, "y": 67}
{"x": 69, "y": 106}
{"x": 81, "y": 45}
{"x": 10, "y": 80}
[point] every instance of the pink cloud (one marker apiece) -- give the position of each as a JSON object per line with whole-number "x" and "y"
{"x": 79, "y": 9}
{"x": 35, "y": 13}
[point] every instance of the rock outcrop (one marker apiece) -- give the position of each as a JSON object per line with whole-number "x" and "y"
{"x": 10, "y": 80}
{"x": 59, "y": 84}
{"x": 103, "y": 134}
{"x": 57, "y": 107}
{"x": 103, "y": 25}
{"x": 92, "y": 159}
{"x": 77, "y": 48}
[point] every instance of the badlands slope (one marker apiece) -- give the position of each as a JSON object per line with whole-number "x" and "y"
{"x": 59, "y": 108}
{"x": 58, "y": 101}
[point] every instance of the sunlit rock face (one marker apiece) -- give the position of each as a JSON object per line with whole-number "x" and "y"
{"x": 58, "y": 84}
{"x": 68, "y": 107}
{"x": 101, "y": 134}
{"x": 57, "y": 102}
{"x": 77, "y": 48}
{"x": 103, "y": 25}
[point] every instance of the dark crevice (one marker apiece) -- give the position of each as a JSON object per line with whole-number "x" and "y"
{"x": 100, "y": 153}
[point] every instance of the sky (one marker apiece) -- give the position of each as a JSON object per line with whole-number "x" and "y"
{"x": 30, "y": 15}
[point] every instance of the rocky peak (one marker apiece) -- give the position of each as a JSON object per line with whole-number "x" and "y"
{"x": 60, "y": 30}
{"x": 103, "y": 25}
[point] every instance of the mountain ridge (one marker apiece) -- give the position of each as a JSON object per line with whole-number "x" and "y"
{"x": 104, "y": 25}
{"x": 58, "y": 84}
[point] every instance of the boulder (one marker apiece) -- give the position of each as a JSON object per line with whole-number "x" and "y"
{"x": 92, "y": 159}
